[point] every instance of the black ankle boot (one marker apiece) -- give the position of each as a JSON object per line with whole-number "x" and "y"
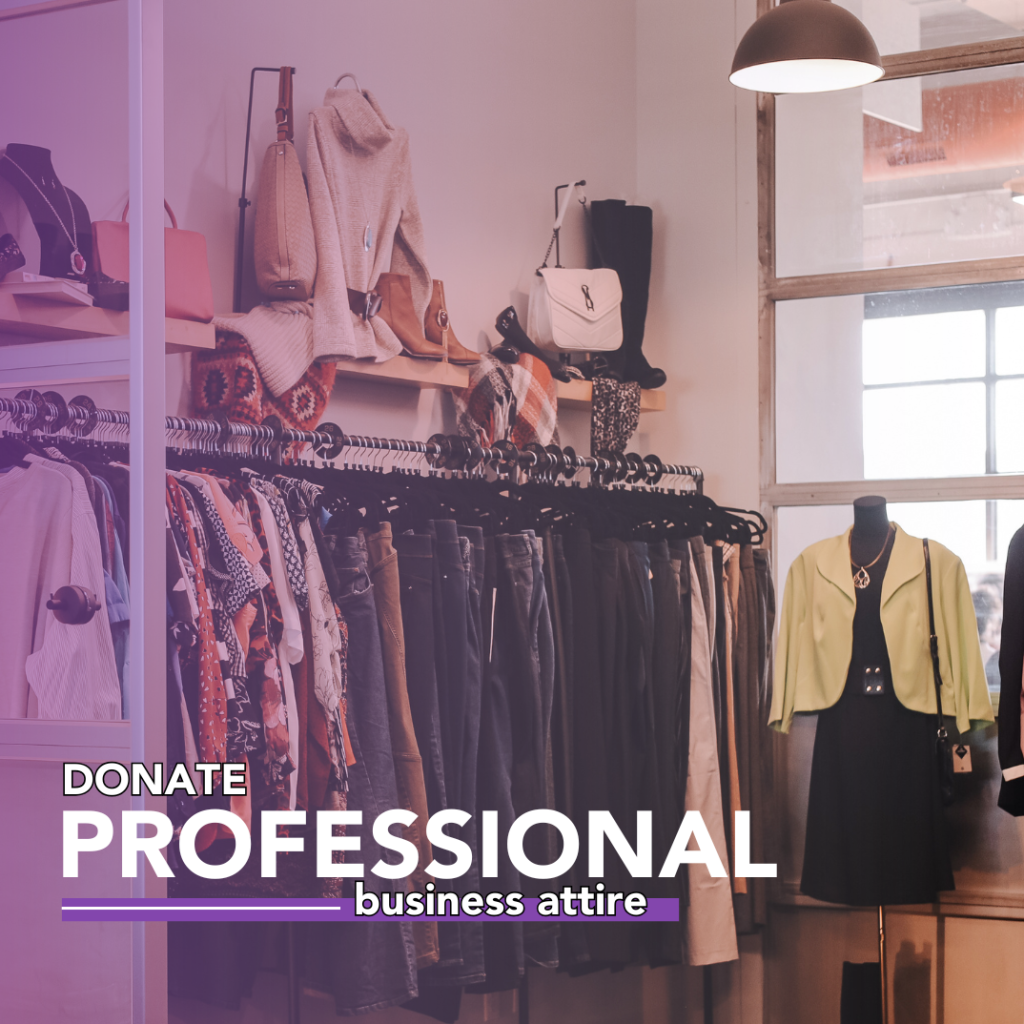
{"x": 511, "y": 330}
{"x": 623, "y": 238}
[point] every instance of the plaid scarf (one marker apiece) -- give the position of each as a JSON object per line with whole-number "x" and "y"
{"x": 515, "y": 402}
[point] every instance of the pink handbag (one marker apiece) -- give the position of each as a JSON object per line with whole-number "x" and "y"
{"x": 189, "y": 295}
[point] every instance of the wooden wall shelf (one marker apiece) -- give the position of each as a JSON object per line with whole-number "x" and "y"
{"x": 28, "y": 318}
{"x": 424, "y": 373}
{"x": 579, "y": 394}
{"x": 405, "y": 371}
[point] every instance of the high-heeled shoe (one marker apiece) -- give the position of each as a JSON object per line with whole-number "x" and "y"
{"x": 438, "y": 329}
{"x": 509, "y": 327}
{"x": 396, "y": 310}
{"x": 506, "y": 353}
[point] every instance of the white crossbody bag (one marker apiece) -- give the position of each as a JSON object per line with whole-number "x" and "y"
{"x": 574, "y": 310}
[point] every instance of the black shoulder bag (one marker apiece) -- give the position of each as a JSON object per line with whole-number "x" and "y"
{"x": 943, "y": 750}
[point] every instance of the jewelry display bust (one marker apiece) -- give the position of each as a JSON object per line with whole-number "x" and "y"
{"x": 60, "y": 217}
{"x": 870, "y": 530}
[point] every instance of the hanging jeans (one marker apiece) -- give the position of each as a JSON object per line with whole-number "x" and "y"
{"x": 457, "y": 659}
{"x": 416, "y": 579}
{"x": 371, "y": 965}
{"x": 572, "y": 940}
{"x": 524, "y": 665}
{"x": 503, "y": 939}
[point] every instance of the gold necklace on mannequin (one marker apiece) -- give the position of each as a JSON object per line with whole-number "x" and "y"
{"x": 861, "y": 578}
{"x": 78, "y": 263}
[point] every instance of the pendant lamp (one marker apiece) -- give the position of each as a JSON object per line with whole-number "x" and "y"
{"x": 806, "y": 46}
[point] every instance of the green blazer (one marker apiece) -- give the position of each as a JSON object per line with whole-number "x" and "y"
{"x": 816, "y": 632}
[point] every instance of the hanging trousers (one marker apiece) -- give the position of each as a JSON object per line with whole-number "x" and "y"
{"x": 372, "y": 965}
{"x": 503, "y": 939}
{"x": 412, "y": 792}
{"x": 669, "y": 670}
{"x": 418, "y": 599}
{"x": 710, "y": 927}
{"x": 524, "y": 660}
{"x": 573, "y": 951}
{"x": 458, "y": 678}
{"x": 610, "y": 943}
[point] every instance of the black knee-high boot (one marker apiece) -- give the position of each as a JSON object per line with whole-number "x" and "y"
{"x": 623, "y": 237}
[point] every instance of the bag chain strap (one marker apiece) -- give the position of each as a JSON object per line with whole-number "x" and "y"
{"x": 551, "y": 245}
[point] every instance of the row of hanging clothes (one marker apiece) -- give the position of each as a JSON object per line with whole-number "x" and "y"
{"x": 64, "y": 562}
{"x": 463, "y": 639}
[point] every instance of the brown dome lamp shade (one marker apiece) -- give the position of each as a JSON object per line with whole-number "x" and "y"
{"x": 806, "y": 46}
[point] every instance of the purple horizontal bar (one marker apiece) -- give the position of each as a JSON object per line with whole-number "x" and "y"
{"x": 659, "y": 908}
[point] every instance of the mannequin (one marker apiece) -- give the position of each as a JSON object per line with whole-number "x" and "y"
{"x": 38, "y": 180}
{"x": 870, "y": 528}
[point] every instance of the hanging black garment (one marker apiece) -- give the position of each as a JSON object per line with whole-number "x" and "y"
{"x": 1011, "y": 666}
{"x": 875, "y": 827}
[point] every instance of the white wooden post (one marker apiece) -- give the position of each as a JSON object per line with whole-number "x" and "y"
{"x": 148, "y": 664}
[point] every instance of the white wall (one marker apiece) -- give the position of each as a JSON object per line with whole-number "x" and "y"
{"x": 502, "y": 102}
{"x": 696, "y": 166}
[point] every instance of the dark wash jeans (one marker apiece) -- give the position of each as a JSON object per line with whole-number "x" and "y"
{"x": 503, "y": 940}
{"x": 524, "y": 662}
{"x": 460, "y": 583}
{"x": 371, "y": 965}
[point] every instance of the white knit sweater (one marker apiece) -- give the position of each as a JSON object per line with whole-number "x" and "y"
{"x": 360, "y": 175}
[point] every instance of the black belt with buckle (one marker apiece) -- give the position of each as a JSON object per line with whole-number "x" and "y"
{"x": 364, "y": 304}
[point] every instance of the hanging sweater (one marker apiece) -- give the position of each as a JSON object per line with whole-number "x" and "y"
{"x": 360, "y": 191}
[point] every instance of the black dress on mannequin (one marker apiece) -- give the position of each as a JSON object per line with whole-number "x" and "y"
{"x": 56, "y": 212}
{"x": 875, "y": 828}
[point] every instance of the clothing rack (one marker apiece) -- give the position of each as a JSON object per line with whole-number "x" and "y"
{"x": 48, "y": 413}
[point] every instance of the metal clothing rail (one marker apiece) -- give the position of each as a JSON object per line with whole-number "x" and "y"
{"x": 33, "y": 412}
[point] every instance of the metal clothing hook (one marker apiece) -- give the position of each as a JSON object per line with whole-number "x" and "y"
{"x": 348, "y": 74}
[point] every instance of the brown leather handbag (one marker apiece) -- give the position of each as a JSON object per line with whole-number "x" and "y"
{"x": 285, "y": 253}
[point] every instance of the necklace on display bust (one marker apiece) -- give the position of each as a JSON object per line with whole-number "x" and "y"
{"x": 78, "y": 263}
{"x": 861, "y": 579}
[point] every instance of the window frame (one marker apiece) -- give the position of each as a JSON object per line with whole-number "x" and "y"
{"x": 773, "y": 289}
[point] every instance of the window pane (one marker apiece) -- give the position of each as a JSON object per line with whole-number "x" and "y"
{"x": 902, "y": 25}
{"x": 1010, "y": 426}
{"x": 960, "y": 525}
{"x": 931, "y": 430}
{"x": 1010, "y": 339}
{"x": 829, "y": 351}
{"x": 911, "y": 171}
{"x": 929, "y": 347}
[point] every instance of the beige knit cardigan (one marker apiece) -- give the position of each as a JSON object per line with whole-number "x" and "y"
{"x": 360, "y": 174}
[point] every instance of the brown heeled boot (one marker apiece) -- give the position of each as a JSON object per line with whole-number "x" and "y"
{"x": 438, "y": 328}
{"x": 396, "y": 310}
